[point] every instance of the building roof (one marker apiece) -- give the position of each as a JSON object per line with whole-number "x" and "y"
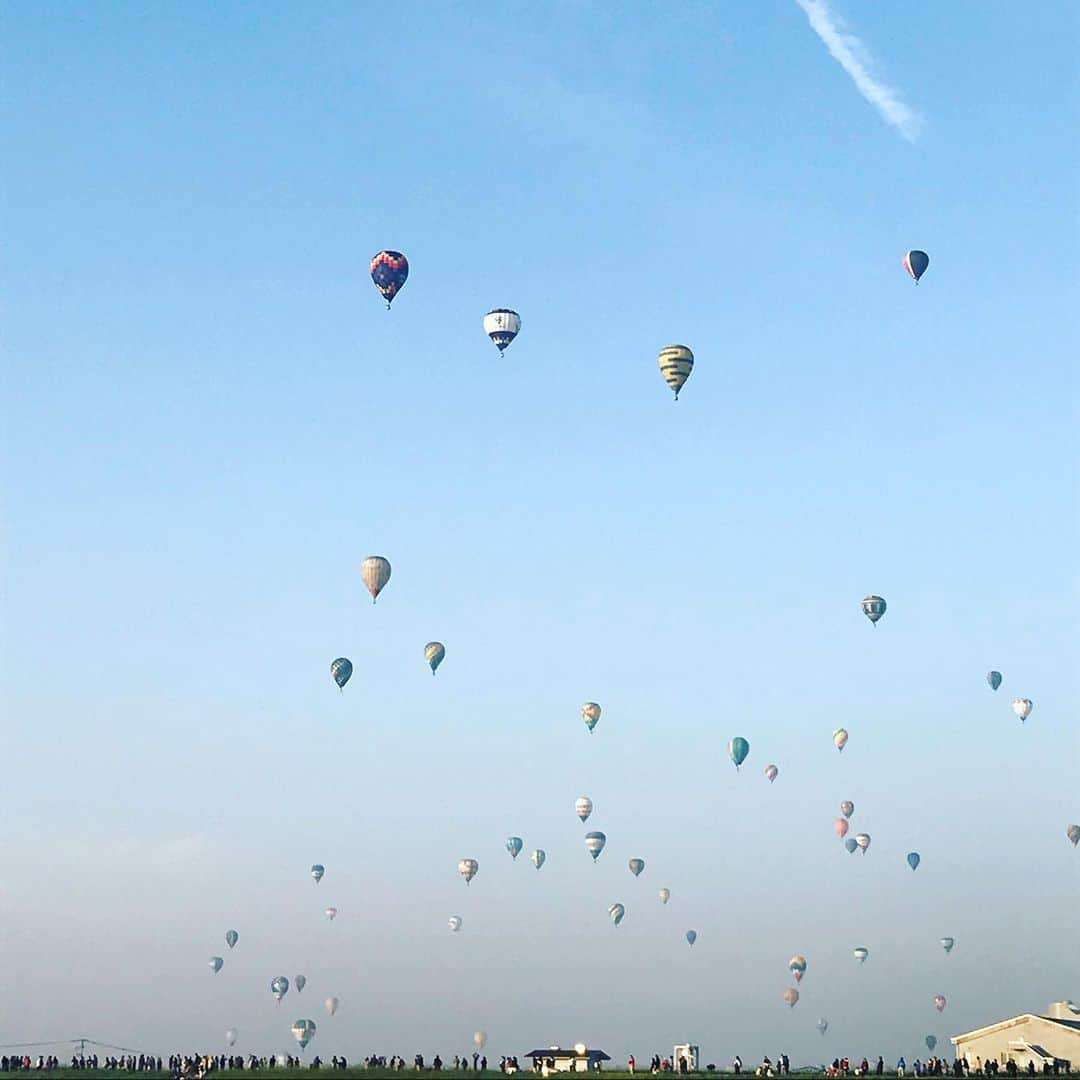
{"x": 1074, "y": 1024}
{"x": 555, "y": 1052}
{"x": 1015, "y": 1021}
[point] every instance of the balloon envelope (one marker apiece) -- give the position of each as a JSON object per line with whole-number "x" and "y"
{"x": 665, "y": 895}
{"x": 847, "y": 808}
{"x": 939, "y": 1002}
{"x": 931, "y": 1042}
{"x": 583, "y": 808}
{"x": 280, "y": 987}
{"x": 616, "y": 911}
{"x": 916, "y": 262}
{"x": 300, "y": 982}
{"x": 454, "y": 922}
{"x": 840, "y": 738}
{"x": 468, "y": 868}
{"x": 913, "y": 860}
{"x": 502, "y": 325}
{"x": 772, "y": 772}
{"x": 514, "y": 844}
{"x": 797, "y": 964}
{"x": 216, "y": 964}
{"x": 303, "y": 1032}
{"x": 389, "y": 271}
{"x": 994, "y": 679}
{"x": 330, "y": 913}
{"x": 676, "y": 362}
{"x": 341, "y": 671}
{"x": 841, "y": 826}
{"x": 947, "y": 944}
{"x": 590, "y": 713}
{"x": 1073, "y": 833}
{"x": 480, "y": 1039}
{"x": 375, "y": 572}
{"x": 860, "y": 954}
{"x": 691, "y": 937}
{"x": 231, "y": 938}
{"x": 539, "y": 857}
{"x": 636, "y": 866}
{"x": 874, "y": 607}
{"x": 738, "y": 749}
{"x": 823, "y": 1025}
{"x": 594, "y": 844}
{"x": 862, "y": 840}
{"x": 850, "y": 844}
{"x": 434, "y": 651}
{"x": 317, "y": 872}
{"x": 791, "y": 996}
{"x": 1022, "y": 706}
{"x": 331, "y": 1005}
{"x": 230, "y": 1036}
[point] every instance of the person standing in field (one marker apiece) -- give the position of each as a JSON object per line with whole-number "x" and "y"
{"x": 631, "y": 1064}
{"x": 736, "y": 1065}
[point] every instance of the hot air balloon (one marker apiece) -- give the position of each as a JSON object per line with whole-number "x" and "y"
{"x": 280, "y": 987}
{"x": 616, "y": 911}
{"x": 539, "y": 857}
{"x": 216, "y": 964}
{"x": 841, "y": 827}
{"x": 331, "y": 1005}
{"x": 822, "y": 1025}
{"x": 860, "y": 954}
{"x": 480, "y": 1039}
{"x": 231, "y": 938}
{"x": 939, "y": 1002}
{"x": 840, "y": 739}
{"x": 915, "y": 263}
{"x": 636, "y": 866}
{"x": 467, "y": 868}
{"x": 737, "y": 750}
{"x": 594, "y": 844}
{"x": 772, "y": 772}
{"x": 862, "y": 840}
{"x": 375, "y": 572}
{"x": 341, "y": 671}
{"x": 303, "y": 1032}
{"x": 850, "y": 845}
{"x": 514, "y": 845}
{"x": 847, "y": 808}
{"x": 317, "y": 872}
{"x": 330, "y": 913}
{"x": 502, "y": 325}
{"x": 665, "y": 895}
{"x": 389, "y": 271}
{"x": 873, "y": 607}
{"x": 913, "y": 860}
{"x": 1073, "y": 833}
{"x": 1022, "y": 706}
{"x": 676, "y": 363}
{"x": 583, "y": 807}
{"x": 791, "y": 996}
{"x": 947, "y": 944}
{"x": 931, "y": 1042}
{"x": 300, "y": 982}
{"x": 797, "y": 967}
{"x": 590, "y": 713}
{"x": 230, "y": 1036}
{"x": 454, "y": 922}
{"x": 994, "y": 679}
{"x": 434, "y": 651}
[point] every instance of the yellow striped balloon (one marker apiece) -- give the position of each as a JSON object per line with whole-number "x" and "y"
{"x": 676, "y": 363}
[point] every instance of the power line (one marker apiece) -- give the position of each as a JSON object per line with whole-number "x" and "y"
{"x": 82, "y": 1042}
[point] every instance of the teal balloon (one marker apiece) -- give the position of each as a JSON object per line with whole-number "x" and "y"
{"x": 738, "y": 749}
{"x": 994, "y": 679}
{"x": 341, "y": 671}
{"x": 691, "y": 936}
{"x": 514, "y": 844}
{"x": 850, "y": 844}
{"x": 913, "y": 860}
{"x": 231, "y": 938}
{"x": 931, "y": 1042}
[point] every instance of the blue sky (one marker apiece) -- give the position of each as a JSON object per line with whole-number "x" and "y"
{"x": 212, "y": 419}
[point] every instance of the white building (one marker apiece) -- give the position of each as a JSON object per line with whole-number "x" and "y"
{"x": 555, "y": 1059}
{"x": 1038, "y": 1039}
{"x": 687, "y": 1052}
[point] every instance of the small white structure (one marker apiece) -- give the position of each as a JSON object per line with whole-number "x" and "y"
{"x": 555, "y": 1059}
{"x": 1026, "y": 1038}
{"x": 687, "y": 1052}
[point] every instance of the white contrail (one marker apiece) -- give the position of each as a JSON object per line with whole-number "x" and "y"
{"x": 850, "y": 53}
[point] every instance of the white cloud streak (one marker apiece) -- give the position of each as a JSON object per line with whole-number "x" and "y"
{"x": 850, "y": 53}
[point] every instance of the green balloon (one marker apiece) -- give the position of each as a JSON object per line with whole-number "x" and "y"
{"x": 738, "y": 749}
